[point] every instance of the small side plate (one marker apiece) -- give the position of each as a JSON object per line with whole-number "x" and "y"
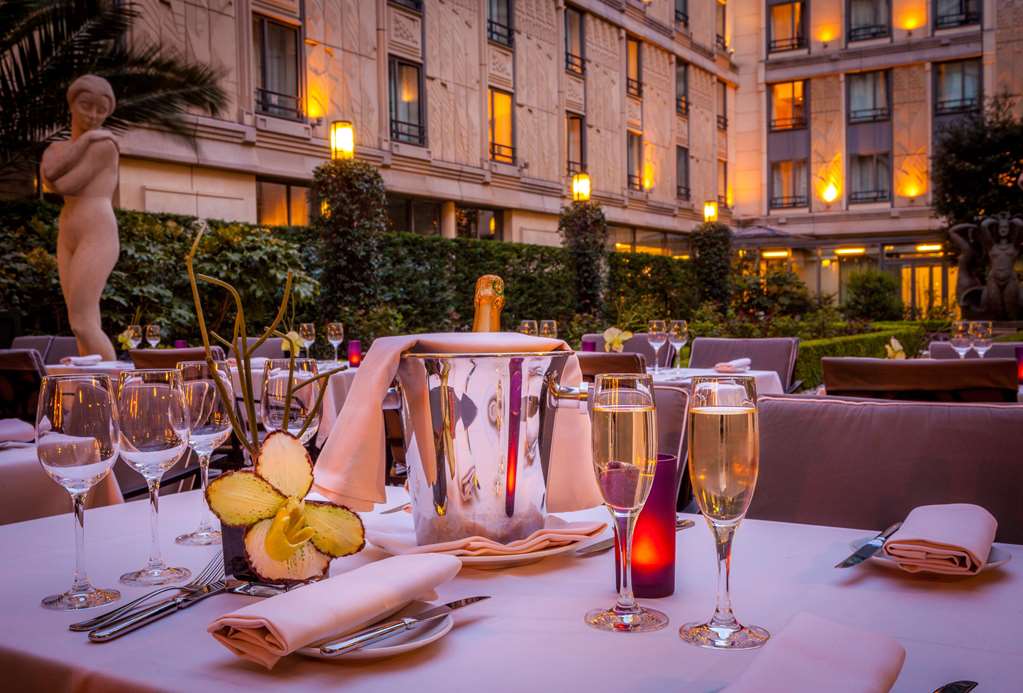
{"x": 399, "y": 644}
{"x": 998, "y": 556}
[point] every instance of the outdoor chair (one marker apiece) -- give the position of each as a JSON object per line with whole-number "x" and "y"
{"x": 40, "y": 343}
{"x": 270, "y": 349}
{"x": 60, "y": 348}
{"x": 866, "y": 463}
{"x": 637, "y": 344}
{"x": 21, "y": 374}
{"x": 672, "y": 403}
{"x": 999, "y": 350}
{"x": 170, "y": 358}
{"x": 776, "y": 354}
{"x": 593, "y": 363}
{"x": 922, "y": 380}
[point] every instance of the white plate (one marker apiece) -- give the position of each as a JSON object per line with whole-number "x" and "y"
{"x": 997, "y": 557}
{"x": 399, "y": 644}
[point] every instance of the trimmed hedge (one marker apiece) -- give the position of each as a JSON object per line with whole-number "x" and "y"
{"x": 808, "y": 365}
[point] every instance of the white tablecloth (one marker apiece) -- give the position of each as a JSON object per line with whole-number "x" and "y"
{"x": 530, "y": 636}
{"x": 768, "y": 382}
{"x": 111, "y": 368}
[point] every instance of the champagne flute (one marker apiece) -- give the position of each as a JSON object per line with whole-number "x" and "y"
{"x": 657, "y": 335}
{"x": 76, "y": 444}
{"x": 678, "y": 336}
{"x": 549, "y": 328}
{"x": 981, "y": 333}
{"x": 305, "y": 391}
{"x": 528, "y": 327}
{"x": 210, "y": 428}
{"x": 624, "y": 459}
{"x": 335, "y": 335}
{"x": 960, "y": 341}
{"x": 152, "y": 335}
{"x": 307, "y": 333}
{"x": 134, "y": 336}
{"x": 154, "y": 436}
{"x": 724, "y": 456}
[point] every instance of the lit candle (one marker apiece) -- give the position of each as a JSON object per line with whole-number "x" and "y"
{"x": 354, "y": 353}
{"x": 653, "y": 540}
{"x": 1019, "y": 363}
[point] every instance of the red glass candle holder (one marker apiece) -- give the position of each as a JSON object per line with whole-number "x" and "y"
{"x": 354, "y": 353}
{"x": 1019, "y": 363}
{"x": 589, "y": 345}
{"x": 653, "y": 540}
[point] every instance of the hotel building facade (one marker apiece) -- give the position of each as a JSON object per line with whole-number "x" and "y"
{"x": 810, "y": 122}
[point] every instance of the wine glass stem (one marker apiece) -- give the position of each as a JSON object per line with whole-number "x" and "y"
{"x": 205, "y": 524}
{"x": 335, "y": 352}
{"x": 155, "y": 559}
{"x": 81, "y": 580}
{"x": 624, "y": 524}
{"x": 723, "y": 535}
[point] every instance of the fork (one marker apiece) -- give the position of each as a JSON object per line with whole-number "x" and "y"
{"x": 213, "y": 571}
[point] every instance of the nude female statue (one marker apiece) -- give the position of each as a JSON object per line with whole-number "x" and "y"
{"x": 84, "y": 170}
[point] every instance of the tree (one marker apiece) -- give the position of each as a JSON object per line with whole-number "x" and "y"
{"x": 46, "y": 44}
{"x": 977, "y": 160}
{"x": 583, "y": 230}
{"x": 872, "y": 295}
{"x": 712, "y": 261}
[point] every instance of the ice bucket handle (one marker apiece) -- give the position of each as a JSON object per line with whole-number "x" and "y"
{"x": 564, "y": 395}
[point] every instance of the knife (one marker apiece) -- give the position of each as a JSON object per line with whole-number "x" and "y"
{"x": 958, "y": 687}
{"x": 155, "y": 613}
{"x": 870, "y": 548}
{"x": 607, "y": 544}
{"x": 389, "y": 629}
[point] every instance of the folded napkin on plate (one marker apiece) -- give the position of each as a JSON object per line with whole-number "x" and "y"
{"x": 813, "y": 654}
{"x": 350, "y": 468}
{"x": 89, "y": 360}
{"x": 269, "y": 629}
{"x": 556, "y": 532}
{"x": 16, "y": 429}
{"x": 733, "y": 366}
{"x": 953, "y": 539}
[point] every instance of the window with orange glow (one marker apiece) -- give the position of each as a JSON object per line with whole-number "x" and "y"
{"x": 406, "y": 104}
{"x": 633, "y": 67}
{"x": 502, "y": 143}
{"x": 788, "y": 106}
{"x": 723, "y": 183}
{"x": 786, "y": 28}
{"x": 575, "y": 126}
{"x": 634, "y": 143}
{"x": 789, "y": 184}
{"x": 282, "y": 204}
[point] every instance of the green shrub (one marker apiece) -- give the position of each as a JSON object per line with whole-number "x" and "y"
{"x": 583, "y": 230}
{"x": 711, "y": 243}
{"x": 650, "y": 286}
{"x": 780, "y": 292}
{"x": 808, "y": 364}
{"x": 872, "y": 295}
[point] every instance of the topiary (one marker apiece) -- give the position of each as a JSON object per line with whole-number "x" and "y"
{"x": 872, "y": 295}
{"x": 583, "y": 230}
{"x": 711, "y": 244}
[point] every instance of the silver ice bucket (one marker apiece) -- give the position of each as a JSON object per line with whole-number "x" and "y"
{"x": 488, "y": 421}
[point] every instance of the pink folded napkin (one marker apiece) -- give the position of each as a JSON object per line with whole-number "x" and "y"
{"x": 88, "y": 360}
{"x": 556, "y": 532}
{"x": 350, "y": 468}
{"x": 733, "y": 366}
{"x": 16, "y": 429}
{"x": 813, "y": 654}
{"x": 269, "y": 629}
{"x": 953, "y": 539}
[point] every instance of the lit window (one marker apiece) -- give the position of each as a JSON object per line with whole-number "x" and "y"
{"x": 868, "y": 19}
{"x": 682, "y": 173}
{"x": 635, "y": 147}
{"x": 953, "y": 13}
{"x": 722, "y": 99}
{"x": 633, "y": 57}
{"x": 681, "y": 88}
{"x": 958, "y": 87}
{"x": 682, "y": 12}
{"x": 786, "y": 27}
{"x": 499, "y": 21}
{"x": 575, "y": 126}
{"x": 574, "y": 41}
{"x": 720, "y": 18}
{"x": 723, "y": 183}
{"x": 406, "y": 104}
{"x": 870, "y": 178}
{"x": 281, "y": 204}
{"x": 789, "y": 184}
{"x": 868, "y": 97}
{"x": 788, "y": 106}
{"x": 276, "y": 53}
{"x": 499, "y": 113}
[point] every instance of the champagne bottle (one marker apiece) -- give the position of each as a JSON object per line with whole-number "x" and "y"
{"x": 488, "y": 302}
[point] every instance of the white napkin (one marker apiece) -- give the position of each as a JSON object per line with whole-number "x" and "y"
{"x": 952, "y": 539}
{"x": 733, "y": 366}
{"x": 269, "y": 629}
{"x": 16, "y": 429}
{"x": 89, "y": 360}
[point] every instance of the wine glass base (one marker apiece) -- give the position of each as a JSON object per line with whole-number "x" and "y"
{"x": 154, "y": 577}
{"x": 718, "y": 637}
{"x": 83, "y": 599}
{"x": 200, "y": 537}
{"x": 643, "y": 621}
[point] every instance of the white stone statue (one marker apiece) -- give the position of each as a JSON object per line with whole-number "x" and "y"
{"x": 84, "y": 170}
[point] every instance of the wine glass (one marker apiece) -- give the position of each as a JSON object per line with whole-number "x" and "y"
{"x": 624, "y": 459}
{"x": 549, "y": 328}
{"x": 528, "y": 327}
{"x": 724, "y": 456}
{"x": 152, "y": 335}
{"x": 305, "y": 389}
{"x": 961, "y": 341}
{"x": 335, "y": 335}
{"x": 76, "y": 444}
{"x": 678, "y": 336}
{"x": 657, "y": 335}
{"x": 154, "y": 436}
{"x": 210, "y": 427}
{"x": 307, "y": 333}
{"x": 134, "y": 335}
{"x": 980, "y": 336}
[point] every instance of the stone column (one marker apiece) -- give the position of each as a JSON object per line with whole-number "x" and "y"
{"x": 448, "y": 227}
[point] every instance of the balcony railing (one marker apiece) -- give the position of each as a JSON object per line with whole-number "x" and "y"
{"x": 682, "y": 105}
{"x": 789, "y": 201}
{"x": 792, "y": 123}
{"x": 682, "y": 192}
{"x": 719, "y": 41}
{"x": 722, "y": 122}
{"x": 868, "y": 115}
{"x": 723, "y": 202}
{"x": 574, "y": 63}
{"x": 499, "y": 33}
{"x": 576, "y": 167}
{"x": 869, "y": 31}
{"x": 965, "y": 105}
{"x": 635, "y": 183}
{"x": 949, "y": 21}
{"x": 416, "y": 5}
{"x": 681, "y": 18}
{"x": 633, "y": 87}
{"x": 502, "y": 153}
{"x": 790, "y": 43}
{"x": 410, "y": 133}
{"x": 869, "y": 196}
{"x": 278, "y": 104}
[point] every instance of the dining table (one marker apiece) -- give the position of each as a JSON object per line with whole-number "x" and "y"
{"x": 530, "y": 635}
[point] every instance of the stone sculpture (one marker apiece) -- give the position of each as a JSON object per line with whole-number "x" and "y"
{"x": 84, "y": 170}
{"x": 1000, "y": 297}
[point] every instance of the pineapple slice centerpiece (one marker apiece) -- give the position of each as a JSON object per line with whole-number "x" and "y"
{"x": 287, "y": 538}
